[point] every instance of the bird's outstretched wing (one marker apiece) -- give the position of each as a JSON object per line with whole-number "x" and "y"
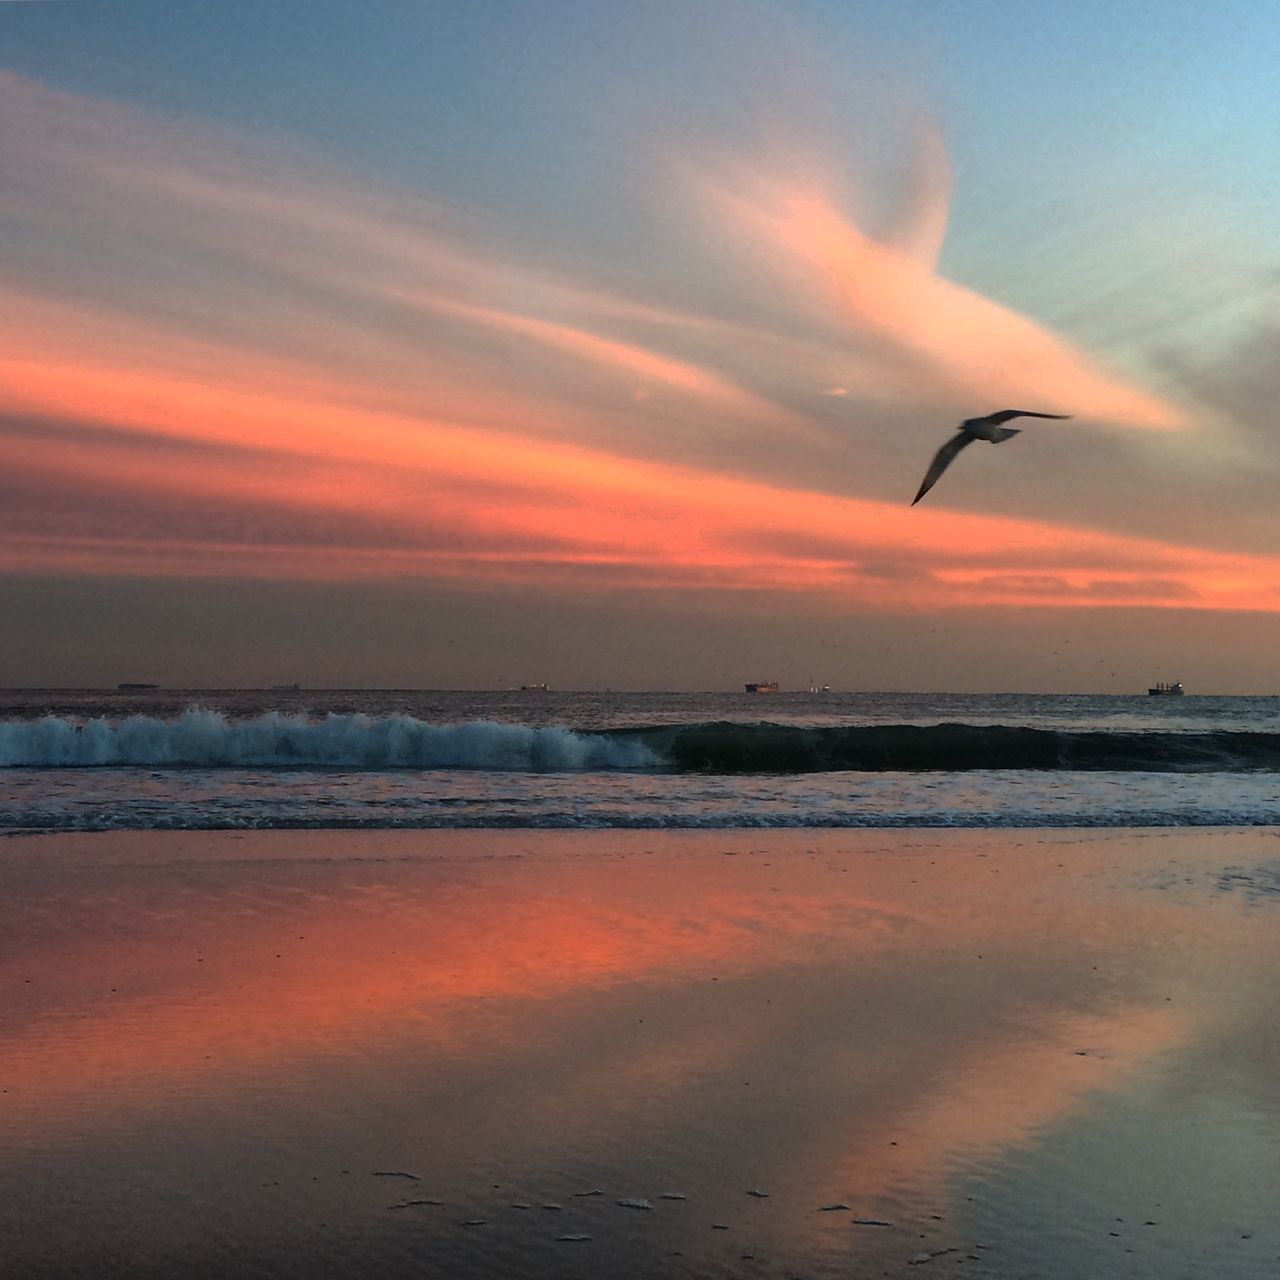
{"x": 941, "y": 461}
{"x": 1005, "y": 414}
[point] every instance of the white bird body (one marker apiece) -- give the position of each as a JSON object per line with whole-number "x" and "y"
{"x": 991, "y": 429}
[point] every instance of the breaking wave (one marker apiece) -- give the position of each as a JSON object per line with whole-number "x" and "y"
{"x": 201, "y": 738}
{"x": 208, "y": 739}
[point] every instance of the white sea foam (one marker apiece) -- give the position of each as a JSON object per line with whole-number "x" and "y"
{"x": 207, "y": 739}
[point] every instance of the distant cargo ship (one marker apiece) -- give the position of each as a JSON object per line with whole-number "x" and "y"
{"x": 1161, "y": 689}
{"x": 534, "y": 688}
{"x": 763, "y": 686}
{"x": 130, "y": 686}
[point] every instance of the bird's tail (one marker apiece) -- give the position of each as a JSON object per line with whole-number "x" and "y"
{"x": 1001, "y": 434}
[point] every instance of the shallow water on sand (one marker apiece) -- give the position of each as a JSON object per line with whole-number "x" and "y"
{"x": 294, "y": 1054}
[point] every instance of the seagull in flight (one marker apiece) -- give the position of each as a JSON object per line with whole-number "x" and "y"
{"x": 991, "y": 428}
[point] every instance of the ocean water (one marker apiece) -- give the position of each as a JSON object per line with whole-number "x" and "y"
{"x": 93, "y": 760}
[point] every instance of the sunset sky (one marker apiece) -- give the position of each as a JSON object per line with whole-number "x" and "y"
{"x": 424, "y": 344}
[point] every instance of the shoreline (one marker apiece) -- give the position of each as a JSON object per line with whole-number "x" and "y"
{"x": 203, "y": 841}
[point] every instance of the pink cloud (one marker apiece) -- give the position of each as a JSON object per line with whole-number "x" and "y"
{"x": 886, "y": 289}
{"x": 366, "y": 386}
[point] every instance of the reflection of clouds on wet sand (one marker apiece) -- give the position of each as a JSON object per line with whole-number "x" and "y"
{"x": 1001, "y": 1093}
{"x": 828, "y": 1017}
{"x": 323, "y": 958}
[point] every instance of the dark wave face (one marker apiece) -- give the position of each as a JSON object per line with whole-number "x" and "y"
{"x": 768, "y": 748}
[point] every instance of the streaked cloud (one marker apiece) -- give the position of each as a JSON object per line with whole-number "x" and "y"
{"x": 220, "y": 360}
{"x": 887, "y": 289}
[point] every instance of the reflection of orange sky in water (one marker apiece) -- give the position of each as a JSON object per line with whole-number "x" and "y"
{"x": 391, "y": 963}
{"x": 1002, "y": 1093}
{"x": 258, "y": 978}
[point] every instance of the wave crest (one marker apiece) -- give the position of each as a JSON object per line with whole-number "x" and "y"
{"x": 201, "y": 738}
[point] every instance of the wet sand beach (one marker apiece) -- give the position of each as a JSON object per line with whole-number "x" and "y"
{"x": 641, "y": 1054}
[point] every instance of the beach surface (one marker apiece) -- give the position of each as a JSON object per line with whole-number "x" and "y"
{"x": 640, "y": 1054}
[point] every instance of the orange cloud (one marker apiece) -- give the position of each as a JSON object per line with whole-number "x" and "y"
{"x": 326, "y": 382}
{"x": 411, "y": 475}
